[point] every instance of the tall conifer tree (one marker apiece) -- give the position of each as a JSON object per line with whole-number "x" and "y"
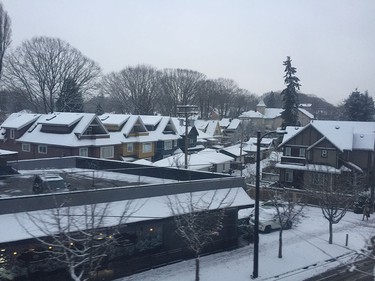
{"x": 290, "y": 95}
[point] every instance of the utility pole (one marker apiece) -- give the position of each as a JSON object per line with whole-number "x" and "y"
{"x": 186, "y": 111}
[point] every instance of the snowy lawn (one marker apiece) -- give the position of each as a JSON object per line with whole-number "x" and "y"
{"x": 306, "y": 252}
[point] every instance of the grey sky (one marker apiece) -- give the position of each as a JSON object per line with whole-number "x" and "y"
{"x": 331, "y": 42}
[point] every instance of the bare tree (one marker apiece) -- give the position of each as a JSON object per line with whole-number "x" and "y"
{"x": 40, "y": 67}
{"x": 134, "y": 88}
{"x": 199, "y": 219}
{"x": 77, "y": 238}
{"x": 226, "y": 90}
{"x": 333, "y": 193}
{"x": 179, "y": 87}
{"x": 5, "y": 35}
{"x": 288, "y": 212}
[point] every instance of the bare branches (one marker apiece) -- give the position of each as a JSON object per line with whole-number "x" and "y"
{"x": 5, "y": 35}
{"x": 39, "y": 68}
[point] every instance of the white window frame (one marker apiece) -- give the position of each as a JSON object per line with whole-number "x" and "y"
{"x": 168, "y": 145}
{"x": 130, "y": 147}
{"x": 146, "y": 147}
{"x": 12, "y": 134}
{"x": 84, "y": 151}
{"x": 107, "y": 152}
{"x": 42, "y": 149}
{"x": 26, "y": 147}
{"x": 289, "y": 175}
{"x": 302, "y": 152}
{"x": 288, "y": 151}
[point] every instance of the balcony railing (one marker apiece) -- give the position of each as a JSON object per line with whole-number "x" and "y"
{"x": 293, "y": 160}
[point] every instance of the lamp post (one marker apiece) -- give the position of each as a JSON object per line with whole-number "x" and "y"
{"x": 256, "y": 213}
{"x": 186, "y": 111}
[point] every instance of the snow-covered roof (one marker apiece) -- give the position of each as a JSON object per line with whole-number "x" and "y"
{"x": 313, "y": 168}
{"x": 235, "y": 150}
{"x": 62, "y": 118}
{"x": 224, "y": 122}
{"x": 212, "y": 126}
{"x": 152, "y": 120}
{"x": 251, "y": 114}
{"x": 20, "y": 227}
{"x": 261, "y": 103}
{"x": 195, "y": 161}
{"x": 234, "y": 124}
{"x": 307, "y": 113}
{"x": 114, "y": 119}
{"x": 271, "y": 113}
{"x": 215, "y": 157}
{"x": 19, "y": 120}
{"x": 7, "y": 152}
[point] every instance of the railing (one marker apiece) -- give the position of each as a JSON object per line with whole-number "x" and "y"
{"x": 293, "y": 160}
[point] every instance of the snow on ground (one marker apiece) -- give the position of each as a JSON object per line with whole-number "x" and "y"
{"x": 306, "y": 253}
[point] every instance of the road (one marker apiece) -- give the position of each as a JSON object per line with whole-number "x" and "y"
{"x": 361, "y": 271}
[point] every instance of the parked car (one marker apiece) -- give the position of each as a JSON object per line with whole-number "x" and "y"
{"x": 49, "y": 183}
{"x": 268, "y": 220}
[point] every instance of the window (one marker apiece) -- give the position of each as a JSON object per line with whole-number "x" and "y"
{"x": 83, "y": 151}
{"x": 302, "y": 152}
{"x": 129, "y": 147}
{"x": 288, "y": 151}
{"x": 26, "y": 147}
{"x": 174, "y": 143}
{"x": 324, "y": 153}
{"x": 42, "y": 149}
{"x": 147, "y": 147}
{"x": 289, "y": 175}
{"x": 107, "y": 152}
{"x": 191, "y": 141}
{"x": 12, "y": 134}
{"x": 168, "y": 145}
{"x": 320, "y": 179}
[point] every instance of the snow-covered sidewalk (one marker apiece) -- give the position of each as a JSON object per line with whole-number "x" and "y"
{"x": 306, "y": 252}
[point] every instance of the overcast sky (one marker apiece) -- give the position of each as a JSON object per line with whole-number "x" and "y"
{"x": 331, "y": 42}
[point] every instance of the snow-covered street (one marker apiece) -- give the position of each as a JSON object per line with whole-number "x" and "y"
{"x": 306, "y": 252}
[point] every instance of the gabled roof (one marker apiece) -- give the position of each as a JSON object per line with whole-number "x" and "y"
{"x": 271, "y": 113}
{"x": 152, "y": 120}
{"x": 234, "y": 124}
{"x": 19, "y": 120}
{"x": 224, "y": 122}
{"x": 235, "y": 150}
{"x": 195, "y": 161}
{"x": 72, "y": 138}
{"x": 160, "y": 132}
{"x": 212, "y": 126}
{"x": 345, "y": 135}
{"x": 118, "y": 120}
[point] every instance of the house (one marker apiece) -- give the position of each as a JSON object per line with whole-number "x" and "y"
{"x": 235, "y": 152}
{"x": 270, "y": 118}
{"x": 57, "y": 134}
{"x": 231, "y": 129}
{"x": 312, "y": 154}
{"x": 163, "y": 129}
{"x": 194, "y": 162}
{"x": 5, "y": 156}
{"x": 250, "y": 147}
{"x": 220, "y": 162}
{"x": 212, "y": 129}
{"x": 192, "y": 136}
{"x": 132, "y": 134}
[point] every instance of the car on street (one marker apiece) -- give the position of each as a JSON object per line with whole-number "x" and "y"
{"x": 268, "y": 220}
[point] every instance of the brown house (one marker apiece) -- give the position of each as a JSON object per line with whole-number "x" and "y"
{"x": 312, "y": 154}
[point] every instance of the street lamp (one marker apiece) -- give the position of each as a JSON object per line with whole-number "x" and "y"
{"x": 256, "y": 213}
{"x": 186, "y": 111}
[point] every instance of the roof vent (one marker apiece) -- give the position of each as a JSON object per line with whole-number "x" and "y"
{"x": 361, "y": 135}
{"x": 296, "y": 128}
{"x": 337, "y": 127}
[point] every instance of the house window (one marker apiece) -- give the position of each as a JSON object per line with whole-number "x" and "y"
{"x": 129, "y": 147}
{"x": 168, "y": 145}
{"x": 288, "y": 151}
{"x": 302, "y": 152}
{"x": 83, "y": 151}
{"x": 320, "y": 179}
{"x": 12, "y": 134}
{"x": 26, "y": 147}
{"x": 174, "y": 143}
{"x": 324, "y": 153}
{"x": 147, "y": 147}
{"x": 289, "y": 175}
{"x": 191, "y": 141}
{"x": 42, "y": 149}
{"x": 107, "y": 152}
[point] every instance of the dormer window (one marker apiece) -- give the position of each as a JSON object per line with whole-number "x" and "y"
{"x": 302, "y": 152}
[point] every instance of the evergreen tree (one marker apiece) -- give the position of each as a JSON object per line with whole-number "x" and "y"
{"x": 99, "y": 109}
{"x": 359, "y": 107}
{"x": 290, "y": 95}
{"x": 70, "y": 99}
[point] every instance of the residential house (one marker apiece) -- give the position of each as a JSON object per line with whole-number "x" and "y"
{"x": 235, "y": 152}
{"x": 132, "y": 134}
{"x": 212, "y": 129}
{"x": 250, "y": 147}
{"x": 57, "y": 134}
{"x": 163, "y": 129}
{"x": 312, "y": 154}
{"x": 231, "y": 129}
{"x": 270, "y": 118}
{"x": 192, "y": 136}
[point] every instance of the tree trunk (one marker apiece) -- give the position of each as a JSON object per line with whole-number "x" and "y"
{"x": 280, "y": 243}
{"x": 197, "y": 268}
{"x": 330, "y": 233}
